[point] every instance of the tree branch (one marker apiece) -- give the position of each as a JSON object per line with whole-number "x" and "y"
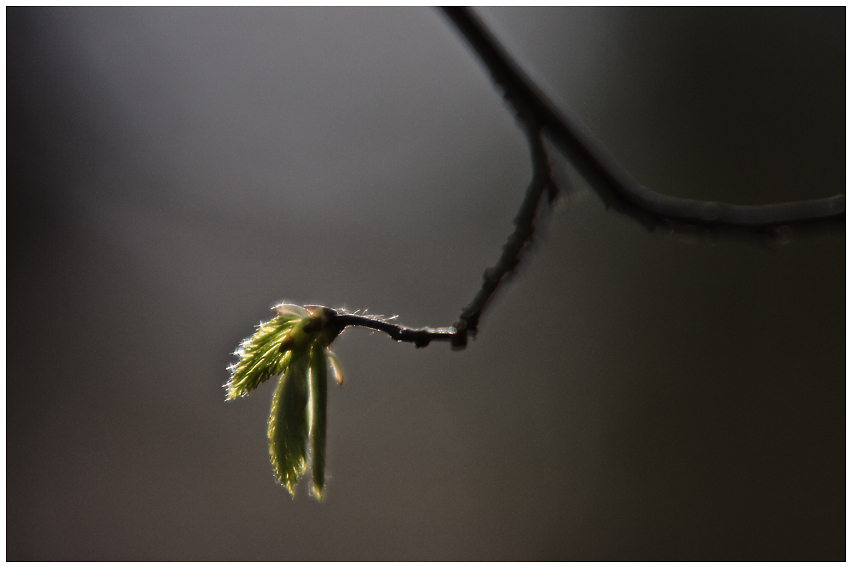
{"x": 537, "y": 116}
{"x": 541, "y": 180}
{"x": 518, "y": 241}
{"x": 591, "y": 159}
{"x": 420, "y": 337}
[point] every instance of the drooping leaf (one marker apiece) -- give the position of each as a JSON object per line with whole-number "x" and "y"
{"x": 288, "y": 423}
{"x": 318, "y": 414}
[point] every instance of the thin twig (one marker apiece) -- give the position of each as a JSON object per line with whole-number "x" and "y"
{"x": 419, "y": 337}
{"x": 517, "y": 242}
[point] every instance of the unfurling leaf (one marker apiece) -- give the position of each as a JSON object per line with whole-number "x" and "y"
{"x": 260, "y": 356}
{"x": 294, "y": 346}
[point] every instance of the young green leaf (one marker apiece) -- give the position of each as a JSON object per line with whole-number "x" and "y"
{"x": 294, "y": 346}
{"x": 318, "y": 414}
{"x": 260, "y": 357}
{"x": 288, "y": 422}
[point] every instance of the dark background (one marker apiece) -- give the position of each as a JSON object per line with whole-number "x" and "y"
{"x": 172, "y": 173}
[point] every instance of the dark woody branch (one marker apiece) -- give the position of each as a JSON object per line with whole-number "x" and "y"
{"x": 537, "y": 117}
{"x": 588, "y": 156}
{"x": 333, "y": 319}
{"x": 467, "y": 324}
{"x": 541, "y": 183}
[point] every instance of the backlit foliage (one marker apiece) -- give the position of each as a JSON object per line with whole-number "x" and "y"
{"x": 294, "y": 346}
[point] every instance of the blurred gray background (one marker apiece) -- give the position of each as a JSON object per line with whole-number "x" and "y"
{"x": 173, "y": 173}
